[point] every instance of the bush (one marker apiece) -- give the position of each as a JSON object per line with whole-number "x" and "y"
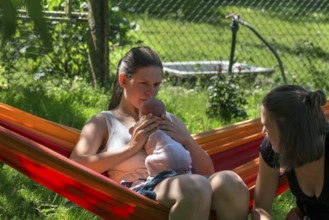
{"x": 69, "y": 57}
{"x": 225, "y": 99}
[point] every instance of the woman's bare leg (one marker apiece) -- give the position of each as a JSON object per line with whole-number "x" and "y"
{"x": 187, "y": 196}
{"x": 230, "y": 196}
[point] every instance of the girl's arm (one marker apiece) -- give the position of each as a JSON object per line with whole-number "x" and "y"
{"x": 266, "y": 186}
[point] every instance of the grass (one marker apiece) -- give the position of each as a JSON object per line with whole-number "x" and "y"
{"x": 193, "y": 114}
{"x": 22, "y": 198}
{"x": 72, "y": 102}
{"x": 66, "y": 102}
{"x": 295, "y": 41}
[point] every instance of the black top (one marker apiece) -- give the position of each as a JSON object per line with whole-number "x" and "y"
{"x": 314, "y": 208}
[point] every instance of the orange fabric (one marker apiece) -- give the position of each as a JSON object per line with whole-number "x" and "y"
{"x": 81, "y": 185}
{"x": 40, "y": 148}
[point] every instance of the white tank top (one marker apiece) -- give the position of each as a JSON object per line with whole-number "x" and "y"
{"x": 133, "y": 169}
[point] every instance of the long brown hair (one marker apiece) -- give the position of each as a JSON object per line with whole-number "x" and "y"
{"x": 137, "y": 57}
{"x": 301, "y": 122}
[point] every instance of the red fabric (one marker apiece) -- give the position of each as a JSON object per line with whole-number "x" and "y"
{"x": 40, "y": 149}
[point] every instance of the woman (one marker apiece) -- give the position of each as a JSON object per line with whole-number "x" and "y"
{"x": 105, "y": 145}
{"x": 297, "y": 144}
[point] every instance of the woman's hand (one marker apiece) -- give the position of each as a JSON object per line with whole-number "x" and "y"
{"x": 176, "y": 131}
{"x": 145, "y": 126}
{"x": 201, "y": 162}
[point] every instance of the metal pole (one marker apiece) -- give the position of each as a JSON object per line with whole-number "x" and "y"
{"x": 237, "y": 18}
{"x": 234, "y": 27}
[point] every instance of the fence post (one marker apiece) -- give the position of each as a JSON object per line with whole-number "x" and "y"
{"x": 98, "y": 42}
{"x": 68, "y": 8}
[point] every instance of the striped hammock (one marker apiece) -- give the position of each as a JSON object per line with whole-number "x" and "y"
{"x": 40, "y": 149}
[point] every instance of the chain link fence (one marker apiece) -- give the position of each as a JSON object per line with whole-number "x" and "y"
{"x": 188, "y": 31}
{"x": 25, "y": 53}
{"x": 192, "y": 30}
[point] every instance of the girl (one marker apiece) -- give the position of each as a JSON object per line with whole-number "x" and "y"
{"x": 297, "y": 144}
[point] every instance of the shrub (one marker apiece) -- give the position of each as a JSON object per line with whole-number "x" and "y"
{"x": 225, "y": 99}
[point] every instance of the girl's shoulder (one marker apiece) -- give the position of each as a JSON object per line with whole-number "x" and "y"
{"x": 268, "y": 154}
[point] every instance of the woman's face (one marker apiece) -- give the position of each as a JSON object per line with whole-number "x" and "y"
{"x": 144, "y": 84}
{"x": 270, "y": 129}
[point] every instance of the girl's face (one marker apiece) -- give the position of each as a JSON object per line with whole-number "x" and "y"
{"x": 270, "y": 129}
{"x": 144, "y": 84}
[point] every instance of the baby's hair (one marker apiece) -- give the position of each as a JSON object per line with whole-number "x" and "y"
{"x": 154, "y": 106}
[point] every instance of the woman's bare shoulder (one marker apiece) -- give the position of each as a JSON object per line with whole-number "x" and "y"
{"x": 96, "y": 122}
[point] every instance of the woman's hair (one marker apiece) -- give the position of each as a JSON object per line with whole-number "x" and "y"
{"x": 137, "y": 57}
{"x": 301, "y": 122}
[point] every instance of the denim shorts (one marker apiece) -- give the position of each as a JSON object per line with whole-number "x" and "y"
{"x": 146, "y": 188}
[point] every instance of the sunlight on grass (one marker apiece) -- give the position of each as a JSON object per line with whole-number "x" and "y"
{"x": 22, "y": 198}
{"x": 73, "y": 101}
{"x": 189, "y": 105}
{"x": 73, "y": 105}
{"x": 282, "y": 204}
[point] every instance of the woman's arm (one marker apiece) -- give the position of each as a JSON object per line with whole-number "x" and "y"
{"x": 266, "y": 186}
{"x": 201, "y": 162}
{"x": 95, "y": 134}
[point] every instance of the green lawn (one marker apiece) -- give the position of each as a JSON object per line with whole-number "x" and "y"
{"x": 71, "y": 102}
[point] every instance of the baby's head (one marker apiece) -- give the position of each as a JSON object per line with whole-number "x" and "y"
{"x": 154, "y": 106}
{"x": 151, "y": 105}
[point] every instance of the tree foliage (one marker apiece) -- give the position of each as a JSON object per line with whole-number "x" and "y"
{"x": 63, "y": 49}
{"x": 9, "y": 19}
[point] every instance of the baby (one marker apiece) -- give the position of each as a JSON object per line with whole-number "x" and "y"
{"x": 163, "y": 152}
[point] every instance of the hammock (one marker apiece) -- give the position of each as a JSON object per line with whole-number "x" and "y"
{"x": 40, "y": 149}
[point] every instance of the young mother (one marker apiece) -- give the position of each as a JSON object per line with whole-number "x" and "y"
{"x": 105, "y": 145}
{"x": 297, "y": 144}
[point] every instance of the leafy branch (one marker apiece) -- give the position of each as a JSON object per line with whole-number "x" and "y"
{"x": 9, "y": 20}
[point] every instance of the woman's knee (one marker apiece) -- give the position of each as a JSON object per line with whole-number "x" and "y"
{"x": 228, "y": 183}
{"x": 229, "y": 193}
{"x": 189, "y": 189}
{"x": 197, "y": 185}
{"x": 187, "y": 196}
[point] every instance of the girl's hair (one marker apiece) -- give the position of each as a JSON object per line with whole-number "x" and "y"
{"x": 137, "y": 57}
{"x": 301, "y": 122}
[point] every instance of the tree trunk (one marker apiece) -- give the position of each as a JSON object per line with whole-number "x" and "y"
{"x": 98, "y": 42}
